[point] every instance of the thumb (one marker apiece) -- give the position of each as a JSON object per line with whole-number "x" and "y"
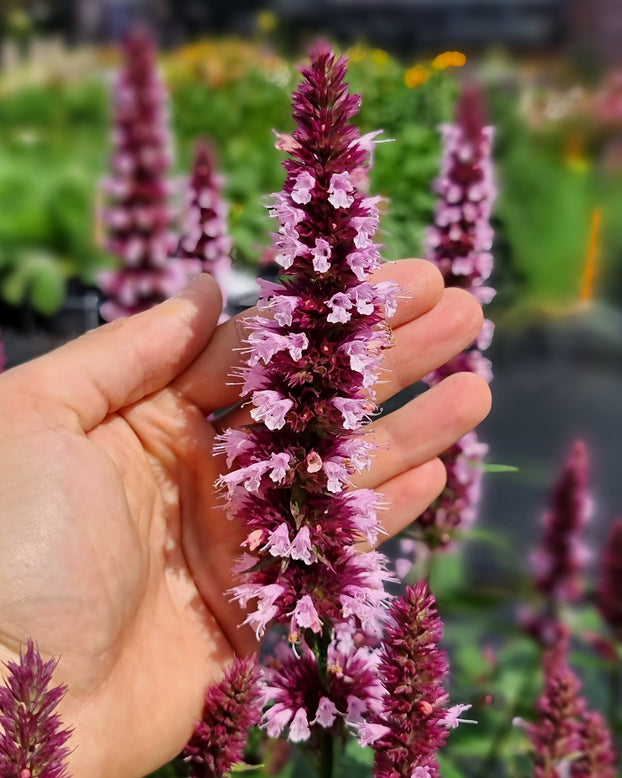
{"x": 123, "y": 361}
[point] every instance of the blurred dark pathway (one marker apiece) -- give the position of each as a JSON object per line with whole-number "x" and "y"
{"x": 555, "y": 381}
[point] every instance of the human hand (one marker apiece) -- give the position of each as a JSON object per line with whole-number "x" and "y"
{"x": 115, "y": 553}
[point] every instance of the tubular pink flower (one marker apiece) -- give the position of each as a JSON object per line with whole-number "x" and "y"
{"x": 137, "y": 217}
{"x": 309, "y": 372}
{"x": 231, "y": 707}
{"x": 32, "y": 742}
{"x": 412, "y": 669}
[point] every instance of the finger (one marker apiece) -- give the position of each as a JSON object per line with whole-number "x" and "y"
{"x": 429, "y": 341}
{"x": 408, "y": 495}
{"x": 425, "y": 427}
{"x": 122, "y": 362}
{"x": 208, "y": 382}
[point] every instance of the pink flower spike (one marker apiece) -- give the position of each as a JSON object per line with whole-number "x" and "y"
{"x": 231, "y": 708}
{"x": 32, "y": 741}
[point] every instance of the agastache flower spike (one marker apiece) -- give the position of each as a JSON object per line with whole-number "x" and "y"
{"x": 307, "y": 707}
{"x": 232, "y": 706}
{"x": 555, "y": 735}
{"x": 414, "y": 713}
{"x": 567, "y": 739}
{"x": 205, "y": 236}
{"x": 608, "y": 599}
{"x": 310, "y": 368}
{"x": 136, "y": 214}
{"x": 32, "y": 741}
{"x": 459, "y": 243}
{"x": 559, "y": 562}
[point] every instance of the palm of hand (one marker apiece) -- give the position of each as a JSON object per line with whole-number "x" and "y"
{"x": 115, "y": 554}
{"x": 108, "y": 568}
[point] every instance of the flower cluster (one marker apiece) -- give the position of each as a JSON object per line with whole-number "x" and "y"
{"x": 608, "y": 597}
{"x": 414, "y": 719}
{"x": 559, "y": 562}
{"x": 312, "y": 701}
{"x": 457, "y": 506}
{"x": 232, "y": 706}
{"x": 312, "y": 362}
{"x": 459, "y": 243}
{"x": 460, "y": 240}
{"x": 205, "y": 235}
{"x": 32, "y": 743}
{"x": 567, "y": 739}
{"x": 136, "y": 214}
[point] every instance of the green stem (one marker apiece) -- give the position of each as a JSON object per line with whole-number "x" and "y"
{"x": 327, "y": 745}
{"x": 327, "y": 762}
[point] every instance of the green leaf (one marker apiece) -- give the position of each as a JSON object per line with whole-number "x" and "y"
{"x": 488, "y": 467}
{"x": 242, "y": 767}
{"x": 448, "y": 769}
{"x": 47, "y": 289}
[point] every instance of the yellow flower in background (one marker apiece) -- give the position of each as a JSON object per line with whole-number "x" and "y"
{"x": 220, "y": 61}
{"x": 449, "y": 59}
{"x": 380, "y": 57}
{"x": 416, "y": 76}
{"x": 357, "y": 53}
{"x": 266, "y": 21}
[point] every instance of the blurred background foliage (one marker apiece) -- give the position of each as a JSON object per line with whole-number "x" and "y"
{"x": 54, "y": 144}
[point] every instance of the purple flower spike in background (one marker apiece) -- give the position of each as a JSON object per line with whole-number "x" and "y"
{"x": 414, "y": 718}
{"x": 556, "y": 736}
{"x": 460, "y": 240}
{"x": 205, "y": 235}
{"x": 32, "y": 742}
{"x": 568, "y": 740}
{"x": 232, "y": 706}
{"x": 558, "y": 565}
{"x": 559, "y": 562}
{"x": 609, "y": 594}
{"x": 459, "y": 243}
{"x": 136, "y": 214}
